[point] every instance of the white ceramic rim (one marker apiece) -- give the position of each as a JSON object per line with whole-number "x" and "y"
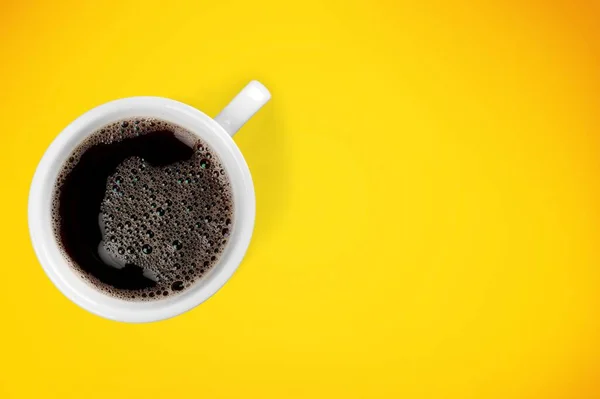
{"x": 47, "y": 249}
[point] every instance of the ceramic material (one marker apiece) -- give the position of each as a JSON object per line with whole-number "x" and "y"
{"x": 216, "y": 132}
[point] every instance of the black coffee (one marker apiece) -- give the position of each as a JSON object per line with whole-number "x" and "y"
{"x": 143, "y": 209}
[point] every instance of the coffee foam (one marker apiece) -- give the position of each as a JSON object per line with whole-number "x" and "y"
{"x": 173, "y": 220}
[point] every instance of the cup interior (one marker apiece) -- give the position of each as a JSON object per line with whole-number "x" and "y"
{"x": 68, "y": 280}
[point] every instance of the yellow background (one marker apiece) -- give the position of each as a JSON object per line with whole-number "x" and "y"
{"x": 427, "y": 179}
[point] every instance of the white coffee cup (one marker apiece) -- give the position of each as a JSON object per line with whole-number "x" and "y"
{"x": 216, "y": 132}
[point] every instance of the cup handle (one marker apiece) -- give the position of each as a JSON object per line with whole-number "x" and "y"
{"x": 243, "y": 106}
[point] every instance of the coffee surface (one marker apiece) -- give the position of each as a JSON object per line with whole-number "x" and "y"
{"x": 143, "y": 209}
